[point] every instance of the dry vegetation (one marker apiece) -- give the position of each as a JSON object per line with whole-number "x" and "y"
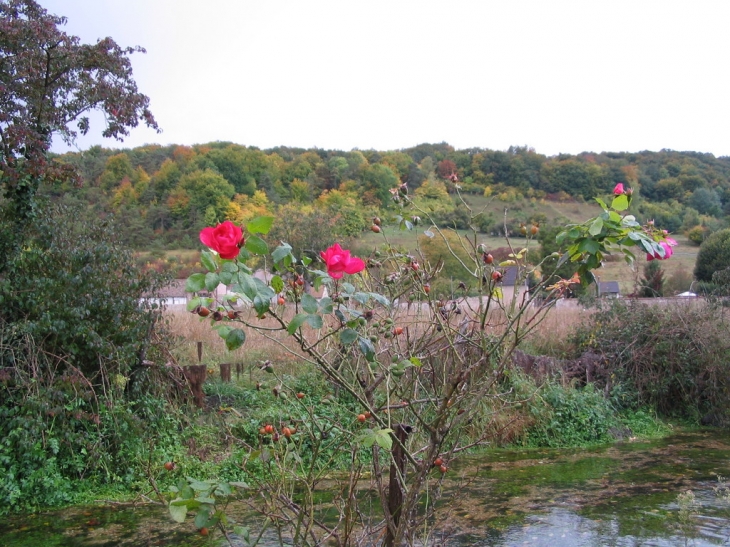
{"x": 548, "y": 336}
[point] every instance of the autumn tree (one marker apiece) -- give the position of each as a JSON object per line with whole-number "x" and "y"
{"x": 49, "y": 82}
{"x": 209, "y": 193}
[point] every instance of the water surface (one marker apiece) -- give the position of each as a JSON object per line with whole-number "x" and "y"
{"x": 620, "y": 495}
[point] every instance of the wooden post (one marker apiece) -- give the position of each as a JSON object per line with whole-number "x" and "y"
{"x": 195, "y": 375}
{"x": 200, "y": 351}
{"x": 239, "y": 369}
{"x": 225, "y": 372}
{"x": 397, "y": 476}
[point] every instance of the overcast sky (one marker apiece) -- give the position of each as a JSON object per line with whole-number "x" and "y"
{"x": 555, "y": 75}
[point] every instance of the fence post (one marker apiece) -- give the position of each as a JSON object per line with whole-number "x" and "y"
{"x": 225, "y": 372}
{"x": 195, "y": 375}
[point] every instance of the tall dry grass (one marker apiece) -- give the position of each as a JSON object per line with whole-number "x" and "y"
{"x": 549, "y": 335}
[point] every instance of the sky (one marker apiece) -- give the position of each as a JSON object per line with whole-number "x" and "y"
{"x": 559, "y": 76}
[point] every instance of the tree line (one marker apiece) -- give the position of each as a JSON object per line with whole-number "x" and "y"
{"x": 163, "y": 195}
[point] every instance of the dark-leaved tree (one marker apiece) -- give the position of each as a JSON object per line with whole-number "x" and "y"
{"x": 49, "y": 82}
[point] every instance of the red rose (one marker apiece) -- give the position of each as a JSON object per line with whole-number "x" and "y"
{"x": 618, "y": 189}
{"x": 339, "y": 262}
{"x": 226, "y": 239}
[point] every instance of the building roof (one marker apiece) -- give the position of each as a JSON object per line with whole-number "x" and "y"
{"x": 608, "y": 287}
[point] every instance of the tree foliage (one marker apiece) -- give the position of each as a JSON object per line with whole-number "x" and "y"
{"x": 50, "y": 81}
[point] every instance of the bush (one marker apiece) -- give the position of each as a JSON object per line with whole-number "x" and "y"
{"x": 74, "y": 389}
{"x": 697, "y": 235}
{"x": 714, "y": 255}
{"x": 568, "y": 416}
{"x": 672, "y": 358}
{"x": 77, "y": 293}
{"x": 59, "y": 440}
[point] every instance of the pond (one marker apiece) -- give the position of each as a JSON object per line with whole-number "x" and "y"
{"x": 627, "y": 494}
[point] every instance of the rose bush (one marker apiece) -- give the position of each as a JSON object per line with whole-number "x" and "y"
{"x": 420, "y": 383}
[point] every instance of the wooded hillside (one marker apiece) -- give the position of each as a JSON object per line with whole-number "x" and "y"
{"x": 163, "y": 195}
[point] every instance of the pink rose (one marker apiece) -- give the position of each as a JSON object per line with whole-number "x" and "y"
{"x": 618, "y": 189}
{"x": 226, "y": 239}
{"x": 339, "y": 262}
{"x": 667, "y": 245}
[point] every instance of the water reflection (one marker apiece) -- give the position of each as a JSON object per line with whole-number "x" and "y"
{"x": 621, "y": 495}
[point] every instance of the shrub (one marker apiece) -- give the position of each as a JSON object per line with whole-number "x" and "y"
{"x": 568, "y": 416}
{"x": 714, "y": 255}
{"x": 697, "y": 235}
{"x": 74, "y": 290}
{"x": 672, "y": 358}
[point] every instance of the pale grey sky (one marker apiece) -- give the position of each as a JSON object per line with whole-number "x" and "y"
{"x": 556, "y": 75}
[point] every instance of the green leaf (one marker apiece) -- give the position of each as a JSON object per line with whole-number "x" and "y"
{"x": 366, "y": 438}
{"x": 193, "y": 303}
{"x": 596, "y": 227}
{"x": 315, "y": 321}
{"x": 242, "y": 531}
{"x": 367, "y": 348}
{"x": 260, "y": 225}
{"x": 614, "y": 217}
{"x": 277, "y": 283}
{"x": 230, "y": 266}
{"x": 177, "y": 512}
{"x": 208, "y": 261}
{"x": 348, "y": 336}
{"x": 235, "y": 339}
{"x": 222, "y": 330}
{"x": 296, "y": 322}
{"x": 201, "y": 518}
{"x": 620, "y": 203}
{"x": 601, "y": 203}
{"x": 205, "y": 500}
{"x": 309, "y": 303}
{"x": 248, "y": 285}
{"x": 383, "y": 438}
{"x": 199, "y": 486}
{"x": 280, "y": 252}
{"x": 326, "y": 304}
{"x": 212, "y": 281}
{"x": 415, "y": 361}
{"x": 195, "y": 283}
{"x": 588, "y": 246}
{"x": 264, "y": 291}
{"x": 261, "y": 304}
{"x": 256, "y": 245}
